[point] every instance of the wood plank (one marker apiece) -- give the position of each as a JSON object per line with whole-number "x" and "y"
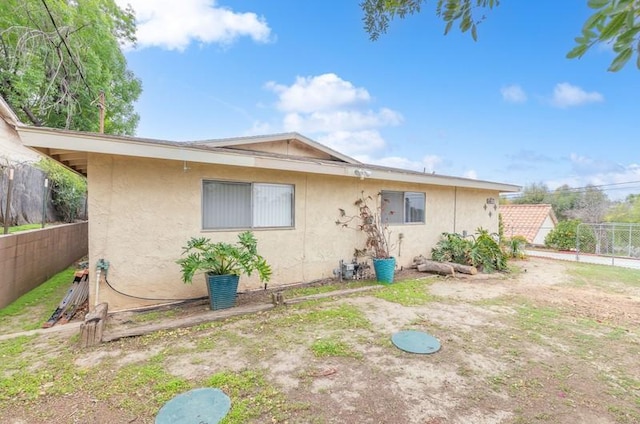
{"x": 109, "y": 336}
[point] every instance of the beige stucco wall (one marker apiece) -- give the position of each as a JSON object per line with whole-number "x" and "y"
{"x": 11, "y": 149}
{"x": 143, "y": 211}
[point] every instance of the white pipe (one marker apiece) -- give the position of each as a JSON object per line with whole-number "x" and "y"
{"x": 97, "y": 287}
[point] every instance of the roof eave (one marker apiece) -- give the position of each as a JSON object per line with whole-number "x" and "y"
{"x": 46, "y": 138}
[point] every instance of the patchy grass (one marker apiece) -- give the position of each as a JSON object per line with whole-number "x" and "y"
{"x": 35, "y": 307}
{"x": 327, "y": 288}
{"x": 153, "y": 316}
{"x": 332, "y": 347}
{"x": 408, "y": 293}
{"x": 337, "y": 318}
{"x": 607, "y": 278}
{"x": 254, "y": 399}
{"x": 25, "y": 227}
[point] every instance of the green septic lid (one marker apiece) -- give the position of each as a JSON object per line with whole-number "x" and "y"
{"x": 198, "y": 406}
{"x": 415, "y": 341}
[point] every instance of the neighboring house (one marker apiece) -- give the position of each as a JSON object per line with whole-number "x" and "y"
{"x": 11, "y": 149}
{"x": 148, "y": 197}
{"x": 533, "y": 222}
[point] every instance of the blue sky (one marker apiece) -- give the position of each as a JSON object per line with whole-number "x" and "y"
{"x": 508, "y": 108}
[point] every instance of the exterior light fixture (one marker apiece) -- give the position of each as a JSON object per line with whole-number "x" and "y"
{"x": 362, "y": 173}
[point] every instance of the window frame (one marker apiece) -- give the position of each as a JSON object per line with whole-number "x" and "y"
{"x": 404, "y": 211}
{"x": 251, "y": 185}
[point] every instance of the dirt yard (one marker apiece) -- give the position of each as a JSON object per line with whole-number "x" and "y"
{"x": 548, "y": 344}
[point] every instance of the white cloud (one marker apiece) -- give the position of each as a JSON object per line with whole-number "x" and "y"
{"x": 353, "y": 143}
{"x": 318, "y": 93}
{"x": 471, "y": 173}
{"x": 589, "y": 171}
{"x": 428, "y": 163}
{"x": 173, "y": 25}
{"x": 340, "y": 120}
{"x": 513, "y": 94}
{"x": 567, "y": 95}
{"x": 335, "y": 112}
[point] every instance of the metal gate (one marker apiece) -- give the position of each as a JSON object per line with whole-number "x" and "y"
{"x": 614, "y": 239}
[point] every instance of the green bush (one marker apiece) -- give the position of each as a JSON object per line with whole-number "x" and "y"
{"x": 514, "y": 247}
{"x": 564, "y": 237}
{"x": 68, "y": 189}
{"x": 483, "y": 252}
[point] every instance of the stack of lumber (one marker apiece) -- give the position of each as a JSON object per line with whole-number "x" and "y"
{"x": 76, "y": 296}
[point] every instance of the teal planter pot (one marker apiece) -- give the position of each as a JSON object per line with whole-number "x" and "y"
{"x": 385, "y": 269}
{"x": 222, "y": 290}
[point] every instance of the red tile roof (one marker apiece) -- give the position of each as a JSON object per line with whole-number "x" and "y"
{"x": 525, "y": 220}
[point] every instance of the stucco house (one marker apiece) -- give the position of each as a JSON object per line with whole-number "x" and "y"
{"x": 533, "y": 222}
{"x": 148, "y": 197}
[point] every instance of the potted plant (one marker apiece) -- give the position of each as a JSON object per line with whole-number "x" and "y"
{"x": 378, "y": 235}
{"x": 223, "y": 263}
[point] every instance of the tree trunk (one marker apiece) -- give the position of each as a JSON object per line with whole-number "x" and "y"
{"x": 445, "y": 268}
{"x": 441, "y": 268}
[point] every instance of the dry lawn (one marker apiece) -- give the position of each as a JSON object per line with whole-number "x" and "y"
{"x": 553, "y": 343}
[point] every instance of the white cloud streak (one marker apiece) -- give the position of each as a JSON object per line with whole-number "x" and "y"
{"x": 513, "y": 94}
{"x": 566, "y": 95}
{"x": 174, "y": 25}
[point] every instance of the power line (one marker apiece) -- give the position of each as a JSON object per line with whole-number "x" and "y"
{"x": 578, "y": 190}
{"x": 64, "y": 42}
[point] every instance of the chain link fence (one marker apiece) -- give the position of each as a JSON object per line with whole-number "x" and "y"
{"x": 610, "y": 239}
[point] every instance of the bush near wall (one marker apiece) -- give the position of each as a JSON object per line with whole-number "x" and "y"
{"x": 564, "y": 237}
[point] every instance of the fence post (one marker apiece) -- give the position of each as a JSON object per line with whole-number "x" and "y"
{"x": 7, "y": 214}
{"x": 44, "y": 201}
{"x": 578, "y": 243}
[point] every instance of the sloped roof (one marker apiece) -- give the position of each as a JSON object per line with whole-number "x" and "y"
{"x": 525, "y": 220}
{"x": 252, "y": 143}
{"x": 72, "y": 148}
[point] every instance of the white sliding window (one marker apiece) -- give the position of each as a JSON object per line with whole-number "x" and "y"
{"x": 246, "y": 205}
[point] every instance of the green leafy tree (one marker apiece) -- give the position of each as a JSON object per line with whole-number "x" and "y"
{"x": 533, "y": 194}
{"x": 613, "y": 22}
{"x": 626, "y": 211}
{"x": 56, "y": 56}
{"x": 563, "y": 200}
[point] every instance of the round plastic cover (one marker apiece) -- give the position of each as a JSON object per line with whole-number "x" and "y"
{"x": 198, "y": 406}
{"x": 415, "y": 342}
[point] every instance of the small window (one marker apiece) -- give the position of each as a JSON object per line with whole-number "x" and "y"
{"x": 400, "y": 207}
{"x": 246, "y": 205}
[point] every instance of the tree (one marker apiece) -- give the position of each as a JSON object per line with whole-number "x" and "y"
{"x": 56, "y": 56}
{"x": 613, "y": 22}
{"x": 627, "y": 211}
{"x": 591, "y": 207}
{"x": 563, "y": 200}
{"x": 533, "y": 194}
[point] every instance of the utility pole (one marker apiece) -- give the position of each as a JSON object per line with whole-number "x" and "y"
{"x": 101, "y": 107}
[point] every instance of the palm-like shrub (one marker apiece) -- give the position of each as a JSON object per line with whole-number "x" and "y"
{"x": 482, "y": 252}
{"x": 220, "y": 258}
